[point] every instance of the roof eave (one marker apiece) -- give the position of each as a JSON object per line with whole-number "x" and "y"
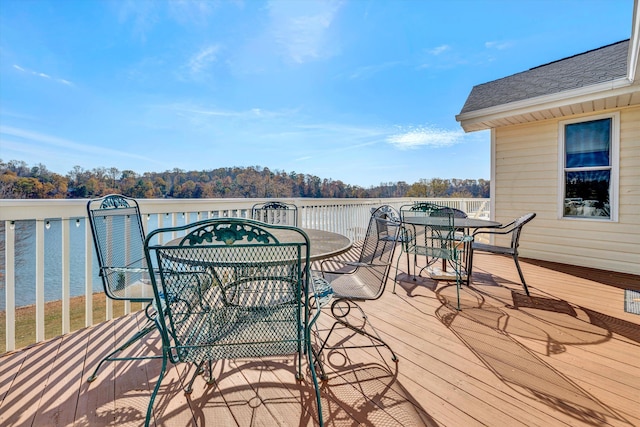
{"x": 483, "y": 119}
{"x": 633, "y": 62}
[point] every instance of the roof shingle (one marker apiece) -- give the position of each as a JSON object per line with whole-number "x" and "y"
{"x": 595, "y": 66}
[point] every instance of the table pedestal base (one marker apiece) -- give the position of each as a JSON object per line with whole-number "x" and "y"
{"x": 437, "y": 273}
{"x": 410, "y": 278}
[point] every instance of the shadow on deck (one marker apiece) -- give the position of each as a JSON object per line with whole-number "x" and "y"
{"x": 568, "y": 355}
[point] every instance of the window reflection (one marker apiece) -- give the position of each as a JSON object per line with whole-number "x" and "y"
{"x": 587, "y": 144}
{"x": 587, "y": 194}
{"x": 588, "y": 169}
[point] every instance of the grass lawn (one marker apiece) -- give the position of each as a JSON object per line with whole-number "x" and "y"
{"x": 26, "y": 318}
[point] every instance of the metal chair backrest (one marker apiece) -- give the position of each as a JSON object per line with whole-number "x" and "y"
{"x": 232, "y": 290}
{"x": 428, "y": 208}
{"x": 440, "y": 238}
{"x": 275, "y": 212}
{"x": 457, "y": 213}
{"x": 368, "y": 276}
{"x": 418, "y": 209}
{"x": 516, "y": 228}
{"x": 437, "y": 238}
{"x": 118, "y": 236}
{"x": 387, "y": 222}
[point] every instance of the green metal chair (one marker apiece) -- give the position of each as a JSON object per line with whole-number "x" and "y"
{"x": 230, "y": 289}
{"x": 436, "y": 240}
{"x": 275, "y": 212}
{"x": 388, "y": 223}
{"x": 363, "y": 280}
{"x": 514, "y": 228}
{"x": 118, "y": 236}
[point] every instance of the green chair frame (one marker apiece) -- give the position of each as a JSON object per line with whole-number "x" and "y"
{"x": 275, "y": 212}
{"x": 363, "y": 280}
{"x": 118, "y": 236}
{"x": 229, "y": 289}
{"x": 388, "y": 223}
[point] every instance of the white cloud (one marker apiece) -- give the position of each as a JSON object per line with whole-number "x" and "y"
{"x": 498, "y": 45}
{"x": 301, "y": 28}
{"x": 368, "y": 71}
{"x": 425, "y": 136}
{"x": 188, "y": 12}
{"x": 252, "y": 113}
{"x": 30, "y": 137}
{"x": 42, "y": 75}
{"x": 440, "y": 49}
{"x": 199, "y": 62}
{"x": 143, "y": 14}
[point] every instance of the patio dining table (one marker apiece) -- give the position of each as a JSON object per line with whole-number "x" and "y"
{"x": 323, "y": 244}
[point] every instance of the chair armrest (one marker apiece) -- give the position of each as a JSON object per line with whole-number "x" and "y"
{"x": 356, "y": 265}
{"x": 479, "y": 231}
{"x": 507, "y": 229}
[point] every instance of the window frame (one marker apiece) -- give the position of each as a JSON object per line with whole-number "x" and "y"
{"x": 614, "y": 166}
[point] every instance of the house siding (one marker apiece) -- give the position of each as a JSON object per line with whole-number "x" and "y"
{"x": 526, "y": 180}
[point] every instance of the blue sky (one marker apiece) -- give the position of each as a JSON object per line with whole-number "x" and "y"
{"x": 365, "y": 92}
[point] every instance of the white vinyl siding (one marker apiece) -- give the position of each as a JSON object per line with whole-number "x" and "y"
{"x": 526, "y": 180}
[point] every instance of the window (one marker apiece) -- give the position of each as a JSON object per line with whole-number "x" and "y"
{"x": 589, "y": 167}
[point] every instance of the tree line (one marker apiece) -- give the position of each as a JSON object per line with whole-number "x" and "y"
{"x": 21, "y": 181}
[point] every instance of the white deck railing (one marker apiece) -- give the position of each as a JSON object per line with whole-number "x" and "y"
{"x": 345, "y": 216}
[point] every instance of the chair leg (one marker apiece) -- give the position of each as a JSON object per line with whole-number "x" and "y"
{"x": 341, "y": 319}
{"x": 395, "y": 279}
{"x": 315, "y": 359}
{"x": 310, "y": 357}
{"x": 526, "y": 289}
{"x": 470, "y": 264}
{"x": 467, "y": 262}
{"x": 199, "y": 370}
{"x": 457, "y": 268}
{"x": 109, "y": 357}
{"x": 156, "y": 389}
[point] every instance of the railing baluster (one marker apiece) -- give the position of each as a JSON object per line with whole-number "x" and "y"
{"x": 88, "y": 274}
{"x": 40, "y": 280}
{"x": 10, "y": 285}
{"x": 65, "y": 229}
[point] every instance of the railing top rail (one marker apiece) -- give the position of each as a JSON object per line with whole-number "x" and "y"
{"x": 41, "y": 209}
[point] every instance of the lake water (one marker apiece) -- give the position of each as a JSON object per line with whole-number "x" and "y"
{"x": 25, "y": 266}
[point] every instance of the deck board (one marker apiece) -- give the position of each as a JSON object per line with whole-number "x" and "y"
{"x": 67, "y": 367}
{"x": 568, "y": 356}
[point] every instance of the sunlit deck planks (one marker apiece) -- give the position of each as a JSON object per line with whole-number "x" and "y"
{"x": 567, "y": 356}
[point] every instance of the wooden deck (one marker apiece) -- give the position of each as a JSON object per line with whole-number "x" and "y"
{"x": 569, "y": 355}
